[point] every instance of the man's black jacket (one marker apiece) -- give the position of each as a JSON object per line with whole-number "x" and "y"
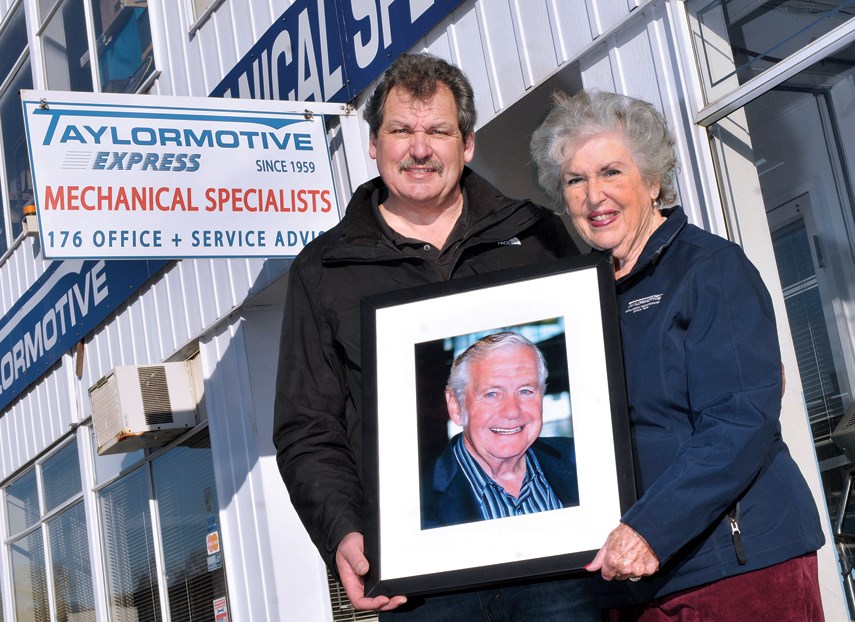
{"x": 317, "y": 418}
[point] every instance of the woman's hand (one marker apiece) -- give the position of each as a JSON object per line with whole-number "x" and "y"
{"x": 625, "y": 555}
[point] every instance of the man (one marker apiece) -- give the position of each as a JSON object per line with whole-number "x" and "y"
{"x": 426, "y": 218}
{"x": 499, "y": 466}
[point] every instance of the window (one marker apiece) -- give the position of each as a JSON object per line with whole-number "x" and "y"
{"x": 22, "y": 503}
{"x": 61, "y": 476}
{"x": 15, "y": 75}
{"x": 123, "y": 37}
{"x": 111, "y": 466}
{"x": 189, "y": 523}
{"x": 44, "y": 9}
{"x": 200, "y": 6}
{"x": 793, "y": 146}
{"x": 67, "y": 537}
{"x": 66, "y": 50}
{"x": 27, "y": 550}
{"x": 72, "y": 572}
{"x": 58, "y": 515}
{"x": 29, "y": 578}
{"x": 801, "y": 152}
{"x": 178, "y": 550}
{"x": 13, "y": 42}
{"x": 738, "y": 39}
{"x": 133, "y": 589}
{"x": 202, "y": 10}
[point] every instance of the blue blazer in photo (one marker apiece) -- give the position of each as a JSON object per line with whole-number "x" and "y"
{"x": 447, "y": 497}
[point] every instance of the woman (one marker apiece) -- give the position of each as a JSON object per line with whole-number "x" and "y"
{"x": 725, "y": 527}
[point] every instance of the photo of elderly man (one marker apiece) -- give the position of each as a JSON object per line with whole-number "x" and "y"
{"x": 499, "y": 465}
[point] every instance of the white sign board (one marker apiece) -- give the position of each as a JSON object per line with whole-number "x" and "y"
{"x": 140, "y": 176}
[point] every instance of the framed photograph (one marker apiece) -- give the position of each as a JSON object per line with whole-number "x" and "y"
{"x": 495, "y": 425}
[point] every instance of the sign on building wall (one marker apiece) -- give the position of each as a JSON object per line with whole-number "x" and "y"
{"x": 69, "y": 300}
{"x": 329, "y": 50}
{"x": 134, "y": 176}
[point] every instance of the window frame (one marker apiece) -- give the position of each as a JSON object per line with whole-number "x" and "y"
{"x": 42, "y": 523}
{"x": 5, "y": 83}
{"x": 197, "y": 21}
{"x": 145, "y": 462}
{"x": 741, "y": 95}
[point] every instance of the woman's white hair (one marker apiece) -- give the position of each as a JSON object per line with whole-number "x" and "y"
{"x": 574, "y": 119}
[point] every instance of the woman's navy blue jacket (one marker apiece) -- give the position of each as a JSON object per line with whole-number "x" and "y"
{"x": 703, "y": 372}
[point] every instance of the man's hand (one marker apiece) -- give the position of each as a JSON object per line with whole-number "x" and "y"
{"x": 352, "y": 568}
{"x": 625, "y": 555}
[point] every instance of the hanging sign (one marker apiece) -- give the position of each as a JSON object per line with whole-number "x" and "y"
{"x": 140, "y": 176}
{"x": 329, "y": 50}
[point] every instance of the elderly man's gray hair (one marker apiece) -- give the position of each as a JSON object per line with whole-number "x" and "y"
{"x": 459, "y": 377}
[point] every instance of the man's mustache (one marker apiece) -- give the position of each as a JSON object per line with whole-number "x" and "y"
{"x": 406, "y": 165}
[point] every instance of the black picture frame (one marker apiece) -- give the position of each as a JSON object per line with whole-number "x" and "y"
{"x": 568, "y": 308}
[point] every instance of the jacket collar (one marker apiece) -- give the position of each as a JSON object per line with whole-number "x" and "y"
{"x": 662, "y": 238}
{"x": 359, "y": 235}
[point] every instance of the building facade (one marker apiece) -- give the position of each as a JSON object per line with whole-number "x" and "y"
{"x": 759, "y": 95}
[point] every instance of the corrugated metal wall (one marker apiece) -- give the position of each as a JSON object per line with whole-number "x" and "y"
{"x": 279, "y": 574}
{"x": 193, "y": 65}
{"x": 506, "y": 47}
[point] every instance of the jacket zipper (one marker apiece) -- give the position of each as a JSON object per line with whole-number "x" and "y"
{"x": 736, "y": 534}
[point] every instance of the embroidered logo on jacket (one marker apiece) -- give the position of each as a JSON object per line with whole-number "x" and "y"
{"x": 512, "y": 242}
{"x": 642, "y": 304}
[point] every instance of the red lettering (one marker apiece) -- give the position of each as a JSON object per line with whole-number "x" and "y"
{"x": 55, "y": 198}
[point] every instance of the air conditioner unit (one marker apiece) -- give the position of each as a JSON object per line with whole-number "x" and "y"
{"x": 138, "y": 406}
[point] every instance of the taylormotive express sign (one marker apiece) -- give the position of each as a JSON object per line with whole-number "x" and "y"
{"x": 134, "y": 176}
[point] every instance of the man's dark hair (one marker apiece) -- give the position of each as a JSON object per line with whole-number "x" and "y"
{"x": 419, "y": 75}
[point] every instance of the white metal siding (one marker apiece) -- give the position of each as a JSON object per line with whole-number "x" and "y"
{"x": 276, "y": 574}
{"x": 174, "y": 309}
{"x": 573, "y": 27}
{"x": 508, "y": 47}
{"x": 501, "y": 49}
{"x": 195, "y": 65}
{"x": 20, "y": 270}
{"x": 47, "y": 411}
{"x": 534, "y": 33}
